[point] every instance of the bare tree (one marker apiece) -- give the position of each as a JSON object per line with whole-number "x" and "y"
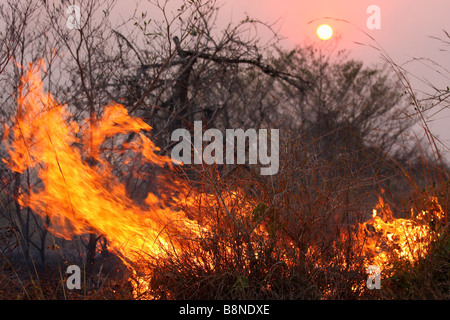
{"x": 16, "y": 40}
{"x": 180, "y": 67}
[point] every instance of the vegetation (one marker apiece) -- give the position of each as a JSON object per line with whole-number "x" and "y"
{"x": 299, "y": 234}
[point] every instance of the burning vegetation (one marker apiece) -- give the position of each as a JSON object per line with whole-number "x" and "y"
{"x": 184, "y": 240}
{"x": 87, "y": 179}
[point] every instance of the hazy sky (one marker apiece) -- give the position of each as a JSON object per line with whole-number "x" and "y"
{"x": 406, "y": 28}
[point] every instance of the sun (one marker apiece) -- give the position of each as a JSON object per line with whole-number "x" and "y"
{"x": 324, "y": 32}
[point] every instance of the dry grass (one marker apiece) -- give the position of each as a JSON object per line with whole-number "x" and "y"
{"x": 286, "y": 236}
{"x": 303, "y": 212}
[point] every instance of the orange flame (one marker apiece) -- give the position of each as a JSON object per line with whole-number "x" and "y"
{"x": 80, "y": 193}
{"x": 80, "y": 197}
{"x": 388, "y": 240}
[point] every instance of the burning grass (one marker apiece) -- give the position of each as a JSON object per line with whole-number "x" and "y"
{"x": 308, "y": 233}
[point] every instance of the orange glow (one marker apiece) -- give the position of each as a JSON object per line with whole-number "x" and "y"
{"x": 81, "y": 197}
{"x": 80, "y": 192}
{"x": 386, "y": 240}
{"x": 324, "y": 32}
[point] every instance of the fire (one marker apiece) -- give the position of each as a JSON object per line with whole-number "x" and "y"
{"x": 78, "y": 189}
{"x": 386, "y": 240}
{"x": 382, "y": 241}
{"x": 81, "y": 193}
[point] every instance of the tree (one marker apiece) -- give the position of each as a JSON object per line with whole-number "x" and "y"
{"x": 179, "y": 67}
{"x": 15, "y": 42}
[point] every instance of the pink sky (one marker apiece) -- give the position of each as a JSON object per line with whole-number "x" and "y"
{"x": 405, "y": 29}
{"x": 405, "y": 24}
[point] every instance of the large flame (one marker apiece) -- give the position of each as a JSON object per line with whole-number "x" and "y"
{"x": 81, "y": 193}
{"x": 78, "y": 189}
